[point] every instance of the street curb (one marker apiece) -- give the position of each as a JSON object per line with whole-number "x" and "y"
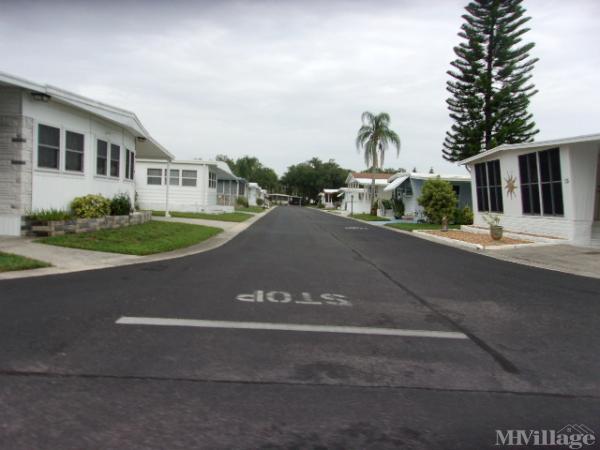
{"x": 476, "y": 248}
{"x": 205, "y": 246}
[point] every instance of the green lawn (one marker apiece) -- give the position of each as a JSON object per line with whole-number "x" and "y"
{"x": 250, "y": 209}
{"x": 369, "y": 217}
{"x": 225, "y": 217}
{"x": 9, "y": 262}
{"x": 419, "y": 226}
{"x": 145, "y": 239}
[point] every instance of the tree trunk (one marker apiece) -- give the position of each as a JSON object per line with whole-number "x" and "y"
{"x": 375, "y": 166}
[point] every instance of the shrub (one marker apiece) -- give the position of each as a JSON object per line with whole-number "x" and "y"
{"x": 120, "y": 205}
{"x": 387, "y": 204}
{"x": 242, "y": 201}
{"x": 90, "y": 206}
{"x": 463, "y": 216}
{"x": 398, "y": 207}
{"x": 46, "y": 215}
{"x": 260, "y": 202}
{"x": 438, "y": 199}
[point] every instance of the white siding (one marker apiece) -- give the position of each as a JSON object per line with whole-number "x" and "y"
{"x": 200, "y": 198}
{"x": 578, "y": 172}
{"x": 57, "y": 188}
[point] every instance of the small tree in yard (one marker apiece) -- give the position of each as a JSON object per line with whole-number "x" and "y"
{"x": 438, "y": 199}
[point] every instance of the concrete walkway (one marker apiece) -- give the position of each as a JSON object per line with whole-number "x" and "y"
{"x": 584, "y": 261}
{"x": 66, "y": 260}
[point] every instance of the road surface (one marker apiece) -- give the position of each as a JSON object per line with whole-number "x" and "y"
{"x": 306, "y": 331}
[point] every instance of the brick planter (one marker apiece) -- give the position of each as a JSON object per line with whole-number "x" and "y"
{"x": 74, "y": 226}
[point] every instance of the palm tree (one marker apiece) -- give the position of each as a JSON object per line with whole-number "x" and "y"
{"x": 374, "y": 137}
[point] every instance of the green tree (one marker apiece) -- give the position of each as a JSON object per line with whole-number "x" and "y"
{"x": 490, "y": 81}
{"x": 309, "y": 178}
{"x": 374, "y": 138}
{"x": 438, "y": 199}
{"x": 252, "y": 170}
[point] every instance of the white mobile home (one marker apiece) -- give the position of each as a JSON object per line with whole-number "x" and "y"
{"x": 194, "y": 186}
{"x": 549, "y": 188}
{"x": 407, "y": 187}
{"x": 255, "y": 192}
{"x": 56, "y": 145}
{"x": 357, "y": 198}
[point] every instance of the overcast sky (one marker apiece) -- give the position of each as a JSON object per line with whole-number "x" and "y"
{"x": 288, "y": 80}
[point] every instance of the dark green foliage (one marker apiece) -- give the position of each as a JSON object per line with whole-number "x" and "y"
{"x": 490, "y": 80}
{"x": 90, "y": 206}
{"x": 260, "y": 202}
{"x": 120, "y": 205}
{"x": 398, "y": 206}
{"x": 463, "y": 216}
{"x": 45, "y": 215}
{"x": 309, "y": 178}
{"x": 252, "y": 170}
{"x": 387, "y": 204}
{"x": 438, "y": 199}
{"x": 241, "y": 201}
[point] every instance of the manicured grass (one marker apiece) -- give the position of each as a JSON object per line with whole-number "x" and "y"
{"x": 419, "y": 226}
{"x": 10, "y": 262}
{"x": 224, "y": 217}
{"x": 369, "y": 217}
{"x": 250, "y": 209}
{"x": 145, "y": 239}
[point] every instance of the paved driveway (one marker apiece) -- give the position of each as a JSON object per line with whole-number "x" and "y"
{"x": 306, "y": 331}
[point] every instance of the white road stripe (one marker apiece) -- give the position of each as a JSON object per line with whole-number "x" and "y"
{"x": 158, "y": 321}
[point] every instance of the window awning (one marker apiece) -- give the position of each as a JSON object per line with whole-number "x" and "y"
{"x": 394, "y": 184}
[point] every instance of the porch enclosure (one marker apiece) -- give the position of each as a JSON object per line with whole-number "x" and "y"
{"x": 227, "y": 192}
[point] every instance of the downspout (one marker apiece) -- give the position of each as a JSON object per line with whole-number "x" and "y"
{"x": 168, "y": 180}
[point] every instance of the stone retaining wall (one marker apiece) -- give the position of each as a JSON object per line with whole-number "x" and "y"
{"x": 74, "y": 226}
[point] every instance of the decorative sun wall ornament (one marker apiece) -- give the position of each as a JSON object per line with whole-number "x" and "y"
{"x": 511, "y": 185}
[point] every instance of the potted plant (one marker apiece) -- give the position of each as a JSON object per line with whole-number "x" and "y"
{"x": 493, "y": 220}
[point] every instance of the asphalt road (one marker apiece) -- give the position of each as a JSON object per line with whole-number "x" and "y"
{"x": 72, "y": 377}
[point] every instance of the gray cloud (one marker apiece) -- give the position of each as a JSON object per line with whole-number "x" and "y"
{"x": 286, "y": 81}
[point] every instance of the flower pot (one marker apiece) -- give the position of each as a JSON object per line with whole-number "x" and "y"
{"x": 496, "y": 232}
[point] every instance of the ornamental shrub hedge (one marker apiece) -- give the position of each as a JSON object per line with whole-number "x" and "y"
{"x": 120, "y": 205}
{"x": 90, "y": 206}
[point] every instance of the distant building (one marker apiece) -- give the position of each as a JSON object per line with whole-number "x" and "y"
{"x": 357, "y": 193}
{"x": 194, "y": 186}
{"x": 408, "y": 186}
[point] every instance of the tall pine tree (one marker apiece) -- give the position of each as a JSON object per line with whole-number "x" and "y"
{"x": 490, "y": 80}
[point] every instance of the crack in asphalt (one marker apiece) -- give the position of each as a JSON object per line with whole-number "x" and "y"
{"x": 500, "y": 359}
{"x": 92, "y": 376}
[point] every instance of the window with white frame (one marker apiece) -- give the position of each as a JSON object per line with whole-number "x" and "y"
{"x": 115, "y": 160}
{"x": 174, "y": 177}
{"x": 48, "y": 147}
{"x": 189, "y": 177}
{"x": 101, "y": 157}
{"x": 74, "y": 151}
{"x": 212, "y": 180}
{"x": 154, "y": 177}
